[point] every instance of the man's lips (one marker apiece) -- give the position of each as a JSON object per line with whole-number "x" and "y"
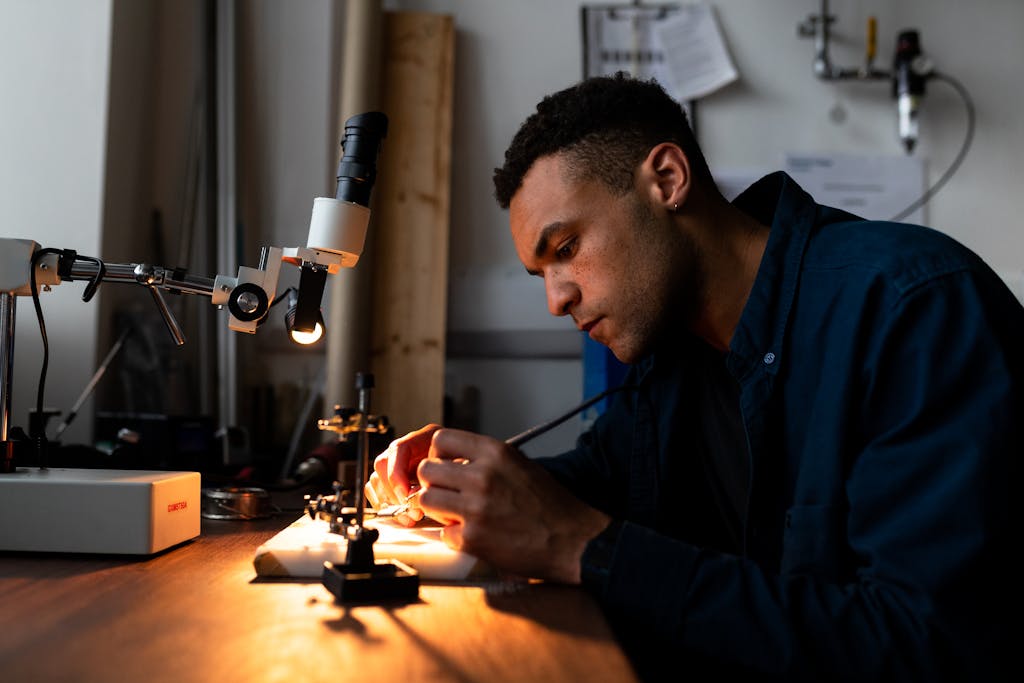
{"x": 588, "y": 326}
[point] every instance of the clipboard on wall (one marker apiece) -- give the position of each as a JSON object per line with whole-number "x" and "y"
{"x": 623, "y": 37}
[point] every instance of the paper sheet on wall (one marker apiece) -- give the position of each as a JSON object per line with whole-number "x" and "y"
{"x": 623, "y": 38}
{"x": 698, "y": 61}
{"x": 680, "y": 46}
{"x": 873, "y": 187}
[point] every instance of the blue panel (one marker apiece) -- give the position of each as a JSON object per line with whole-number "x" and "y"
{"x": 601, "y": 371}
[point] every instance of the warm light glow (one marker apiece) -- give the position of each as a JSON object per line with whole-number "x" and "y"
{"x": 307, "y": 337}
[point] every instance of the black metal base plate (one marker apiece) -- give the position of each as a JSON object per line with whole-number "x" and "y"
{"x": 385, "y": 581}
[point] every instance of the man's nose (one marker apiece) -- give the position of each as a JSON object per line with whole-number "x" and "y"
{"x": 562, "y": 295}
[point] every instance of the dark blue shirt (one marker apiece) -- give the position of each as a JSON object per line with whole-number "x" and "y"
{"x": 879, "y": 369}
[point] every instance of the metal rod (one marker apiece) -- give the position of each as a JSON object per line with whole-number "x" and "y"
{"x": 143, "y": 274}
{"x": 521, "y": 438}
{"x": 823, "y": 63}
{"x": 364, "y": 382}
{"x": 225, "y": 45}
{"x": 7, "y": 319}
{"x": 169, "y": 320}
{"x": 820, "y": 27}
{"x": 92, "y": 383}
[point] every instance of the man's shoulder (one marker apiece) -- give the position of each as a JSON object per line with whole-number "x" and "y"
{"x": 902, "y": 253}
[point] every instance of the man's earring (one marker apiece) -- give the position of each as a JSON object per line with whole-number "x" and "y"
{"x": 675, "y": 207}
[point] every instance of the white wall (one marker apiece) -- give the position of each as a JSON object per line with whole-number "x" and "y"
{"x": 54, "y": 64}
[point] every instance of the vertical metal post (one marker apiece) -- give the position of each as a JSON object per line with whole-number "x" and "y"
{"x": 364, "y": 383}
{"x": 823, "y": 61}
{"x": 7, "y": 319}
{"x": 227, "y": 230}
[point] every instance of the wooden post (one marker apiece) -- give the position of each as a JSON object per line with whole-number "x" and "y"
{"x": 410, "y": 268}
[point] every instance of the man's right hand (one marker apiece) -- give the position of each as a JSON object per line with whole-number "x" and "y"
{"x": 394, "y": 473}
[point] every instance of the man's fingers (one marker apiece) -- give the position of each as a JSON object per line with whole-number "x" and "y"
{"x": 442, "y": 504}
{"x": 405, "y": 454}
{"x": 371, "y": 495}
{"x": 383, "y": 488}
{"x": 452, "y": 444}
{"x": 462, "y": 446}
{"x": 409, "y": 518}
{"x": 378, "y": 493}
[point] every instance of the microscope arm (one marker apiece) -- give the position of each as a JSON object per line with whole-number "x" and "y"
{"x": 154, "y": 278}
{"x": 248, "y": 296}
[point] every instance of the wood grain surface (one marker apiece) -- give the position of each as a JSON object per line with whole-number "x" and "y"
{"x": 198, "y": 612}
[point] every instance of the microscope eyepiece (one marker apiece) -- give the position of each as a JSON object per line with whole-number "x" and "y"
{"x": 357, "y": 169}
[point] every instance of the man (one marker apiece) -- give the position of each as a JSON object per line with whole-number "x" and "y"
{"x": 809, "y": 474}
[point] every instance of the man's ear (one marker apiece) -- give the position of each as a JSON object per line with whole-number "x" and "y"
{"x": 665, "y": 174}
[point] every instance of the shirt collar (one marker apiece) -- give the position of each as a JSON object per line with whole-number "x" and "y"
{"x": 779, "y": 202}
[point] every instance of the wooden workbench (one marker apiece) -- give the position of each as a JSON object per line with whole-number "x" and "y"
{"x": 199, "y": 613}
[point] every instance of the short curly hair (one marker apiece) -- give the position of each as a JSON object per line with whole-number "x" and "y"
{"x": 606, "y": 125}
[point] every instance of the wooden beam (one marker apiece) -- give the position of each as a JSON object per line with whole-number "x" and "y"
{"x": 411, "y": 219}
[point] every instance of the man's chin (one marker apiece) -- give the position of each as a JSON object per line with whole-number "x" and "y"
{"x": 634, "y": 348}
{"x": 624, "y": 355}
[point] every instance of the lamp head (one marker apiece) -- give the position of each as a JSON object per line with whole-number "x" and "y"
{"x": 303, "y": 338}
{"x": 303, "y": 334}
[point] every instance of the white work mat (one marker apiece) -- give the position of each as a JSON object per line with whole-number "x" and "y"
{"x": 301, "y": 549}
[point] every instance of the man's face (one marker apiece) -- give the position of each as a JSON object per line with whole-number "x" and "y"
{"x": 609, "y": 261}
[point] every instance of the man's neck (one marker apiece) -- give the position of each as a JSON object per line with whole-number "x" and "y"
{"x": 732, "y": 245}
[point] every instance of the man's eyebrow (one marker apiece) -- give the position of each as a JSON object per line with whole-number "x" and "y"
{"x": 541, "y": 247}
{"x": 546, "y": 233}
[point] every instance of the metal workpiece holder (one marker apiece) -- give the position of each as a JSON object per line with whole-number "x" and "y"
{"x": 361, "y": 578}
{"x": 7, "y": 310}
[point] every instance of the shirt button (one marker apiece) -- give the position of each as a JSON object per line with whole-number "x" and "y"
{"x": 769, "y": 358}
